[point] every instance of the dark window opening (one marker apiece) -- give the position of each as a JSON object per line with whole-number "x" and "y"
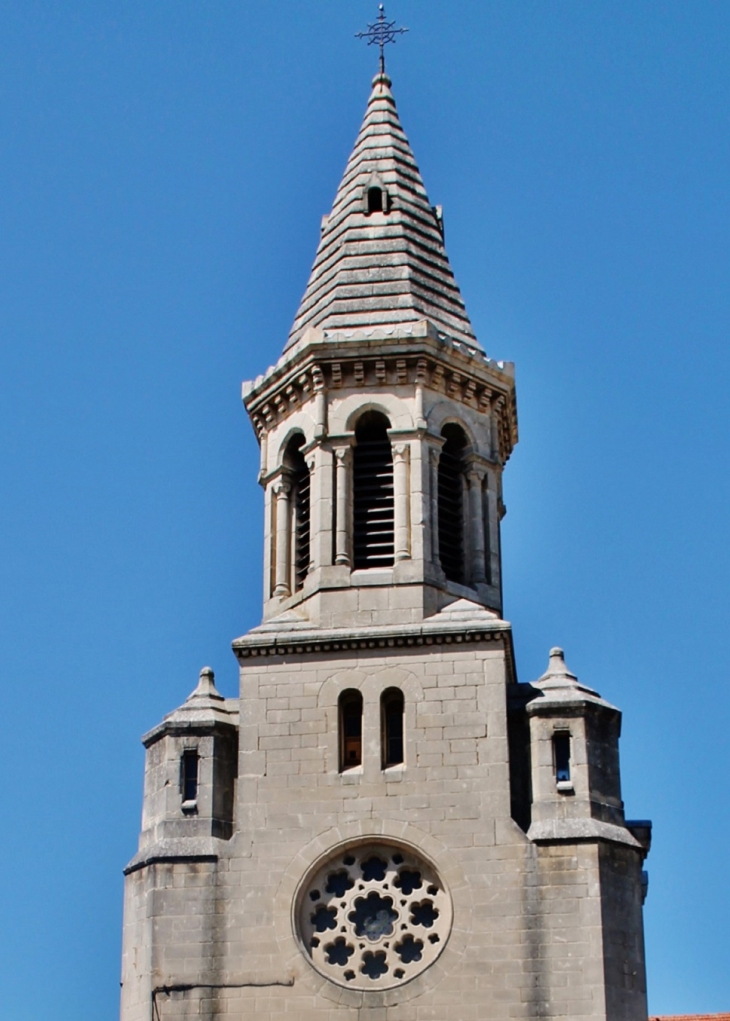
{"x": 561, "y": 755}
{"x": 294, "y": 460}
{"x": 451, "y": 503}
{"x": 350, "y": 729}
{"x": 189, "y": 776}
{"x": 375, "y": 200}
{"x": 520, "y": 753}
{"x": 391, "y": 716}
{"x": 373, "y": 493}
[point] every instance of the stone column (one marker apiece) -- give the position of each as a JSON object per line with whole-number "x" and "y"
{"x": 315, "y": 510}
{"x": 282, "y": 492}
{"x": 496, "y": 415}
{"x": 342, "y": 464}
{"x": 269, "y": 541}
{"x": 320, "y": 403}
{"x": 263, "y": 437}
{"x": 492, "y": 495}
{"x": 401, "y": 516}
{"x": 433, "y": 462}
{"x": 475, "y": 476}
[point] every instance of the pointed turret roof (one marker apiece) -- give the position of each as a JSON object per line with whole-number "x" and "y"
{"x": 382, "y": 268}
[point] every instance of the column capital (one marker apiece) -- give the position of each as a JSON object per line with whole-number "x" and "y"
{"x": 476, "y": 474}
{"x": 342, "y": 442}
{"x": 282, "y": 486}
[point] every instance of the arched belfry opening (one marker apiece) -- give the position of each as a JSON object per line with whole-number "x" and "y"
{"x": 298, "y": 472}
{"x": 372, "y": 492}
{"x": 451, "y": 531}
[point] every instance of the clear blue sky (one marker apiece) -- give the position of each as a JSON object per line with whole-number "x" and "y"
{"x": 165, "y": 164}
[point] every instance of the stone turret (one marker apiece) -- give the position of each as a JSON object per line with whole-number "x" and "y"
{"x": 190, "y": 771}
{"x": 576, "y": 781}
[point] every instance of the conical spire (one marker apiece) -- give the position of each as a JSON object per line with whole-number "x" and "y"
{"x": 382, "y": 268}
{"x": 559, "y": 681}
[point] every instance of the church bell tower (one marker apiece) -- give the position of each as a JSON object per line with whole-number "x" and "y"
{"x": 385, "y": 825}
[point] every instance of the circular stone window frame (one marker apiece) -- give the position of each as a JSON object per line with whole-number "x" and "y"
{"x": 375, "y": 929}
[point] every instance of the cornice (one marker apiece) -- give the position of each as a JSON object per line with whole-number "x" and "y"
{"x": 301, "y": 640}
{"x": 372, "y": 360}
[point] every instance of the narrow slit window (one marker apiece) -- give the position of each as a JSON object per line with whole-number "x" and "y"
{"x": 350, "y": 730}
{"x": 189, "y": 776}
{"x": 561, "y": 756}
{"x": 373, "y": 492}
{"x": 375, "y": 200}
{"x": 391, "y": 719}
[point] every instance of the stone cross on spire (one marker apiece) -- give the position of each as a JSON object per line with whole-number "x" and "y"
{"x": 380, "y": 33}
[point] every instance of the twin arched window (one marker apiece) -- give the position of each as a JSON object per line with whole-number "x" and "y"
{"x": 350, "y": 710}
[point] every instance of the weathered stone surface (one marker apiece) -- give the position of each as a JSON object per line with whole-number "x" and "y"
{"x": 480, "y": 870}
{"x": 369, "y": 264}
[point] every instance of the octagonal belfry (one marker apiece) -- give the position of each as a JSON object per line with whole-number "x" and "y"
{"x": 385, "y": 825}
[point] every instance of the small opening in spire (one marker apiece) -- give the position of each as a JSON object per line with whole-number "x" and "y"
{"x": 375, "y": 200}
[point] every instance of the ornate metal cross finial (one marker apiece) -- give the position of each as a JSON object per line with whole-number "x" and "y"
{"x": 381, "y": 33}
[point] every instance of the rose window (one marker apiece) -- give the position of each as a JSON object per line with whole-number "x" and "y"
{"x": 374, "y": 917}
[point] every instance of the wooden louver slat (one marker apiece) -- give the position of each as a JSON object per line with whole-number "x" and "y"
{"x": 451, "y": 511}
{"x": 373, "y": 498}
{"x": 301, "y": 527}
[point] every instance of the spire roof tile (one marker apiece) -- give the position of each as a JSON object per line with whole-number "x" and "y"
{"x": 382, "y": 267}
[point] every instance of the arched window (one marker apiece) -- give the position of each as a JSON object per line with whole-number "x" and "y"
{"x": 299, "y": 476}
{"x": 391, "y": 726}
{"x": 375, "y": 200}
{"x": 350, "y": 727}
{"x": 372, "y": 492}
{"x": 451, "y": 503}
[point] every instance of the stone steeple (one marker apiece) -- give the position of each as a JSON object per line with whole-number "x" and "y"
{"x": 385, "y": 822}
{"x": 382, "y": 372}
{"x": 381, "y": 257}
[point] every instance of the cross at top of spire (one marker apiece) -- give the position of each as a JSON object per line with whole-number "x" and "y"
{"x": 380, "y": 33}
